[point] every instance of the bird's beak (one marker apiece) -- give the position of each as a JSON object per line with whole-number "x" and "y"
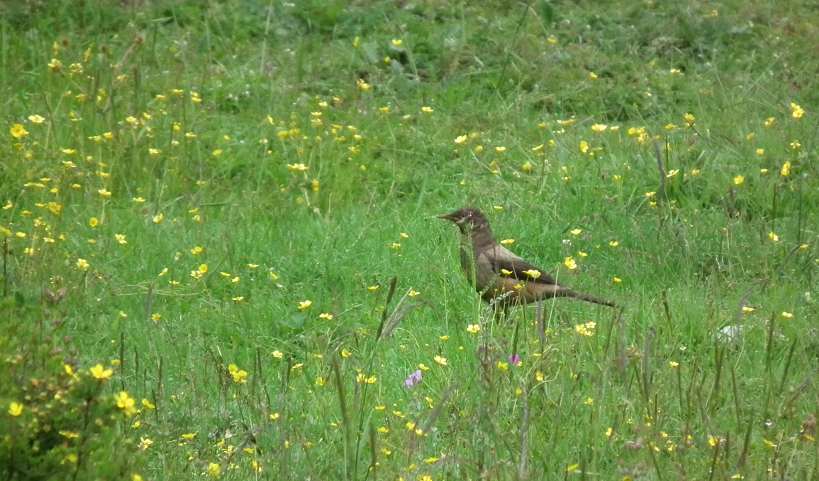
{"x": 447, "y": 217}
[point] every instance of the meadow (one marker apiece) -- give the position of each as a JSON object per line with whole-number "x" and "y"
{"x": 221, "y": 257}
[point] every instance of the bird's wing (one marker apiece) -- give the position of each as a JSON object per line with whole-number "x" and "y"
{"x": 507, "y": 264}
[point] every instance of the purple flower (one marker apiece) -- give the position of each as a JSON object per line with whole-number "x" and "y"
{"x": 413, "y": 379}
{"x": 515, "y": 360}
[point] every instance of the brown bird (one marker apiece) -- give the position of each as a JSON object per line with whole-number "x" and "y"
{"x": 494, "y": 271}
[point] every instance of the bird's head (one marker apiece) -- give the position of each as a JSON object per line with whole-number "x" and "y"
{"x": 468, "y": 219}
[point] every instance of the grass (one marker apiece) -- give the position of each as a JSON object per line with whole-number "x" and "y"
{"x": 192, "y": 173}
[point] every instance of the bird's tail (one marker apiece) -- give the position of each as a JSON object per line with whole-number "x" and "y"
{"x": 586, "y": 297}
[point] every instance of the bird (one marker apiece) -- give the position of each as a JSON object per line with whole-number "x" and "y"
{"x": 495, "y": 271}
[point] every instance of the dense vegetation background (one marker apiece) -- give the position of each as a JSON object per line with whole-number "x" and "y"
{"x": 212, "y": 209}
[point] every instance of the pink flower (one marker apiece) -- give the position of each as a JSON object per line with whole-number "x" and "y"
{"x": 413, "y": 379}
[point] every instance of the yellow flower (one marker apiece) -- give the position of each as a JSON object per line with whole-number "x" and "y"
{"x": 503, "y": 366}
{"x": 397, "y": 42}
{"x": 534, "y": 273}
{"x": 82, "y": 264}
{"x": 121, "y": 238}
{"x": 440, "y": 360}
{"x": 570, "y": 263}
{"x": 277, "y": 354}
{"x": 617, "y": 280}
{"x": 297, "y": 167}
{"x": 739, "y": 179}
{"x": 460, "y": 139}
{"x": 786, "y": 169}
{"x": 760, "y": 152}
{"x": 18, "y": 131}
{"x": 100, "y": 372}
{"x": 93, "y": 222}
{"x": 599, "y": 127}
{"x": 104, "y": 193}
{"x": 158, "y": 218}
{"x": 427, "y": 110}
{"x": 196, "y": 250}
{"x": 125, "y": 403}
{"x": 15, "y": 409}
{"x": 326, "y": 316}
{"x": 584, "y": 146}
{"x": 797, "y": 111}
{"x": 614, "y": 243}
{"x": 305, "y": 304}
{"x": 788, "y": 315}
{"x": 769, "y": 122}
{"x": 773, "y": 237}
{"x": 576, "y": 231}
{"x": 239, "y": 375}
{"x": 673, "y": 364}
{"x": 203, "y": 268}
{"x": 473, "y": 328}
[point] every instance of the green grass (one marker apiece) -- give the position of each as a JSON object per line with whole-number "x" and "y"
{"x": 232, "y": 97}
